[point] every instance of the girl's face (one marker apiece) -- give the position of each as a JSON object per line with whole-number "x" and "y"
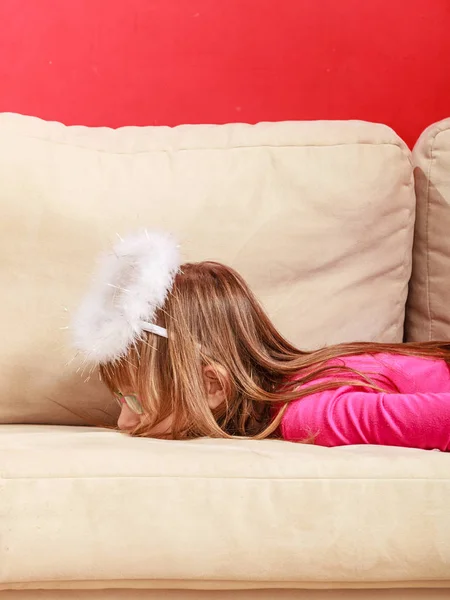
{"x": 128, "y": 420}
{"x": 132, "y": 413}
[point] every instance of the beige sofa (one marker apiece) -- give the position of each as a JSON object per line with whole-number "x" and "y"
{"x": 320, "y": 217}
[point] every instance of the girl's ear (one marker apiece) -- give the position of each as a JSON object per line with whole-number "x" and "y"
{"x": 213, "y": 379}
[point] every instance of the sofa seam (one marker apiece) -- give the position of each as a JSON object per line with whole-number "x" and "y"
{"x": 407, "y": 258}
{"x": 300, "y": 586}
{"x": 411, "y": 479}
{"x": 427, "y": 238}
{"x": 235, "y": 147}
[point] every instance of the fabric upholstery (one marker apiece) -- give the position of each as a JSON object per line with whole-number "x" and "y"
{"x": 144, "y": 594}
{"x": 277, "y": 594}
{"x": 428, "y": 315}
{"x": 91, "y": 507}
{"x": 318, "y": 216}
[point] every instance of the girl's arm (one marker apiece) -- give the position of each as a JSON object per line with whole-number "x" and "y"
{"x": 351, "y": 416}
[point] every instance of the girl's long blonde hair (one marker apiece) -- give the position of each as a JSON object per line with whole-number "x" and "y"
{"x": 212, "y": 318}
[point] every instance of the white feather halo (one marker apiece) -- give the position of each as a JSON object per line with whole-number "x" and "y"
{"x": 130, "y": 285}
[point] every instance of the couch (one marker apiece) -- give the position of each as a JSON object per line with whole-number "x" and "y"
{"x": 344, "y": 234}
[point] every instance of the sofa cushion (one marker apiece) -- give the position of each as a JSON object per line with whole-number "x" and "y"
{"x": 428, "y": 315}
{"x": 95, "y": 506}
{"x": 317, "y": 216}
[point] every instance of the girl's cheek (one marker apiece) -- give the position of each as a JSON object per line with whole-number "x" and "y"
{"x": 127, "y": 419}
{"x": 163, "y": 428}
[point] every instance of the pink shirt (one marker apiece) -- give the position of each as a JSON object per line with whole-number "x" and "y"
{"x": 416, "y": 414}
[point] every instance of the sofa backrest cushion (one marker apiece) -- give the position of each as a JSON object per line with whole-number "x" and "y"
{"x": 318, "y": 216}
{"x": 428, "y": 314}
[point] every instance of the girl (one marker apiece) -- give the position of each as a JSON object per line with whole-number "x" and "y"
{"x": 188, "y": 351}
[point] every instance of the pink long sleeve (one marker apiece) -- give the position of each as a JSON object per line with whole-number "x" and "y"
{"x": 347, "y": 416}
{"x": 418, "y": 417}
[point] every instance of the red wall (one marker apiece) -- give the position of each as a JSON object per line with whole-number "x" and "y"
{"x": 119, "y": 62}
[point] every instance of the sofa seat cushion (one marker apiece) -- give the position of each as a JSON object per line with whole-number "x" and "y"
{"x": 88, "y": 507}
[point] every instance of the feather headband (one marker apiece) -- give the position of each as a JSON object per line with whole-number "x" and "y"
{"x": 131, "y": 284}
